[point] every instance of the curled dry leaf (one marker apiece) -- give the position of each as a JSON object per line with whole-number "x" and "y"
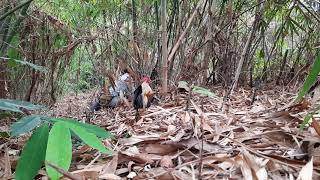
{"x": 166, "y": 162}
{"x": 280, "y": 137}
{"x": 161, "y": 149}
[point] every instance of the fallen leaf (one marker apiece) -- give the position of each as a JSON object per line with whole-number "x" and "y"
{"x": 111, "y": 166}
{"x": 306, "y": 171}
{"x": 166, "y": 162}
{"x": 161, "y": 149}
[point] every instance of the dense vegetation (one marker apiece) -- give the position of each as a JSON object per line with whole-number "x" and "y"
{"x": 78, "y": 41}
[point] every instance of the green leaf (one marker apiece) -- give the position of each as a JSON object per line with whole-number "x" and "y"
{"x": 310, "y": 79}
{"x": 33, "y": 154}
{"x": 98, "y": 131}
{"x": 9, "y": 107}
{"x": 12, "y": 63}
{"x": 308, "y": 117}
{"x": 59, "y": 149}
{"x": 14, "y": 105}
{"x": 25, "y": 125}
{"x": 5, "y": 115}
{"x": 34, "y": 66}
{"x": 88, "y": 138}
{"x": 305, "y": 121}
{"x": 203, "y": 91}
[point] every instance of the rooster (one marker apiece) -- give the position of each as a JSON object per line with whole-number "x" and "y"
{"x": 142, "y": 95}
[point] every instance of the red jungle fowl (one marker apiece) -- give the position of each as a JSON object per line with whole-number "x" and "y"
{"x": 143, "y": 95}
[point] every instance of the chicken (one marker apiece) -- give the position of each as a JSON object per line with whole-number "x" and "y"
{"x": 143, "y": 95}
{"x": 113, "y": 92}
{"x": 120, "y": 90}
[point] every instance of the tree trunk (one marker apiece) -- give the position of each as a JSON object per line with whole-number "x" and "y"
{"x": 135, "y": 38}
{"x": 164, "y": 64}
{"x": 284, "y": 62}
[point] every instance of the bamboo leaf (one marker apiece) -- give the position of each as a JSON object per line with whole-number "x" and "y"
{"x": 14, "y": 105}
{"x": 9, "y": 107}
{"x": 59, "y": 149}
{"x": 203, "y": 91}
{"x": 33, "y": 154}
{"x": 88, "y": 138}
{"x": 310, "y": 79}
{"x": 25, "y": 125}
{"x": 34, "y": 66}
{"x": 98, "y": 131}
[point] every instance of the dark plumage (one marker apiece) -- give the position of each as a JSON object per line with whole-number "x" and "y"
{"x": 95, "y": 106}
{"x": 138, "y": 99}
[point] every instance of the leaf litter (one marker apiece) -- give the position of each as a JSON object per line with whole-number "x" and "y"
{"x": 203, "y": 139}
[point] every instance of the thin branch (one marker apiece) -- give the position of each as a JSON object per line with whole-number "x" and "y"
{"x": 176, "y": 46}
{"x": 65, "y": 173}
{"x": 14, "y": 9}
{"x": 312, "y": 14}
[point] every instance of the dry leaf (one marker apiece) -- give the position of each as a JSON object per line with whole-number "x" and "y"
{"x": 111, "y": 166}
{"x": 306, "y": 171}
{"x": 161, "y": 149}
{"x": 166, "y": 162}
{"x": 259, "y": 170}
{"x": 316, "y": 126}
{"x": 110, "y": 177}
{"x": 244, "y": 167}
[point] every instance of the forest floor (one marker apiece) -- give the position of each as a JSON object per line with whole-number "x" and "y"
{"x": 210, "y": 139}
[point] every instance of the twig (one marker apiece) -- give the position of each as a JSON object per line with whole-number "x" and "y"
{"x": 94, "y": 160}
{"x": 189, "y": 99}
{"x": 201, "y": 148}
{"x": 14, "y": 9}
{"x": 312, "y": 14}
{"x": 65, "y": 173}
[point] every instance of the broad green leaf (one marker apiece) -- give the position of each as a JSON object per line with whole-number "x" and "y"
{"x": 310, "y": 79}
{"x": 34, "y": 66}
{"x": 14, "y": 105}
{"x": 33, "y": 154}
{"x": 203, "y": 91}
{"x": 25, "y": 125}
{"x": 59, "y": 149}
{"x": 88, "y": 138}
{"x": 98, "y": 131}
{"x": 9, "y": 107}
